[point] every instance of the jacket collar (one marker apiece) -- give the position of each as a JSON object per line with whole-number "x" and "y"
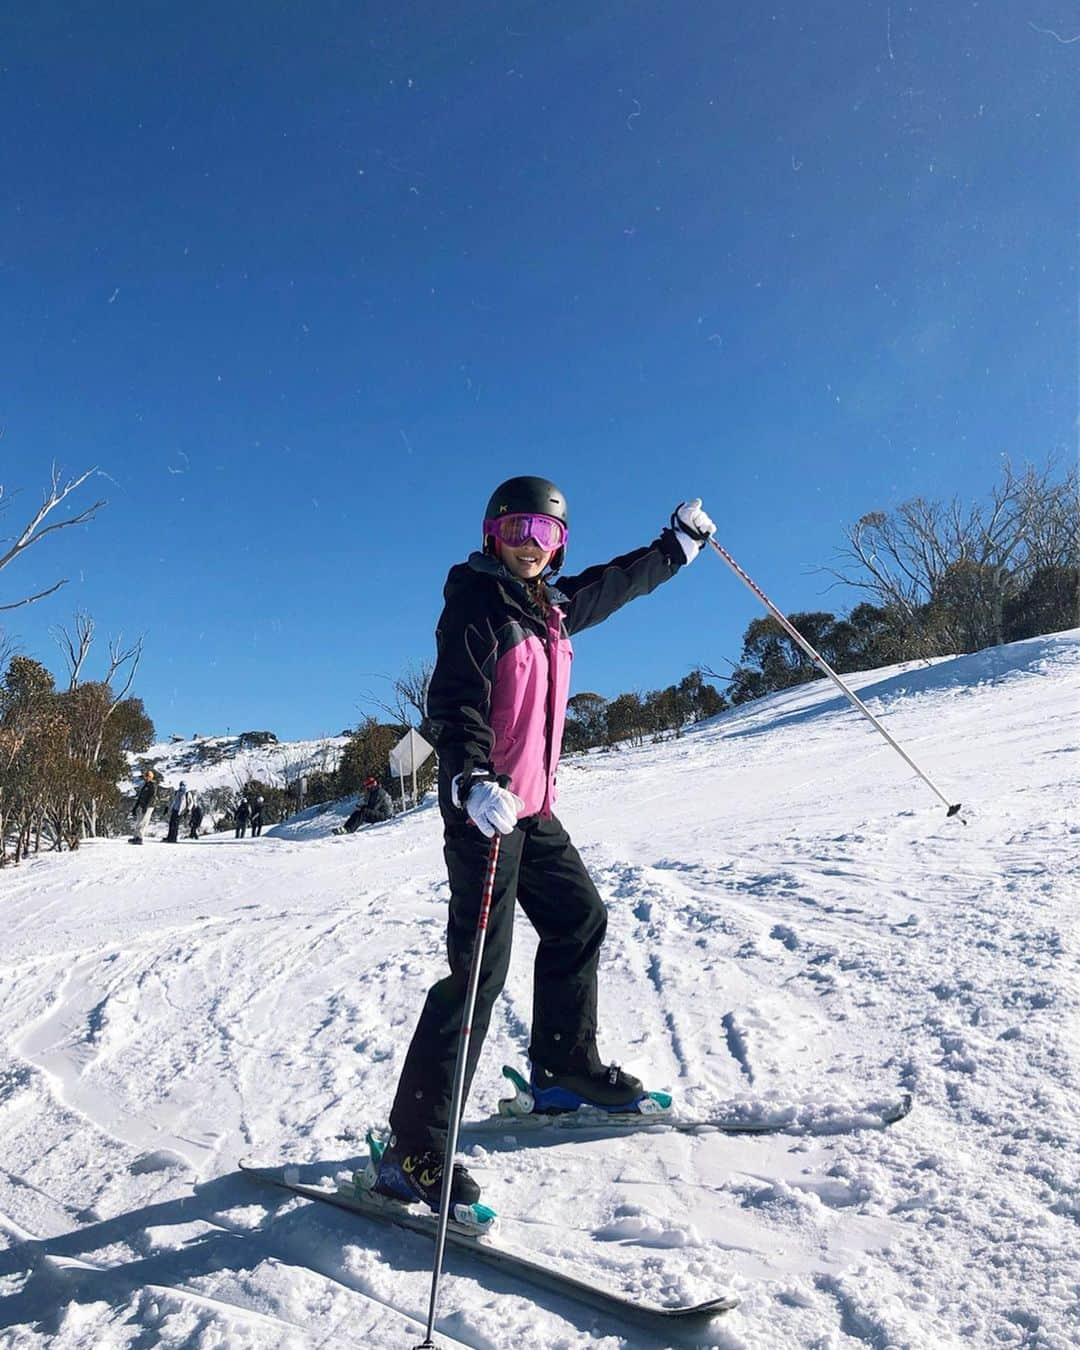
{"x": 511, "y": 585}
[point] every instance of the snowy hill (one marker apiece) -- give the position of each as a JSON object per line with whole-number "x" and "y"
{"x": 206, "y": 762}
{"x": 794, "y": 925}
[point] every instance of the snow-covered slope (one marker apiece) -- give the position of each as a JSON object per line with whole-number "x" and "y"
{"x": 206, "y": 762}
{"x": 792, "y": 917}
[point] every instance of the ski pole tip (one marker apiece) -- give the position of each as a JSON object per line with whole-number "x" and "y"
{"x": 955, "y": 811}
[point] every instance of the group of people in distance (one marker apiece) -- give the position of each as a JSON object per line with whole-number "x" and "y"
{"x": 185, "y": 801}
{"x": 375, "y": 805}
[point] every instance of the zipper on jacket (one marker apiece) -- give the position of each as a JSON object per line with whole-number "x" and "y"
{"x": 549, "y": 712}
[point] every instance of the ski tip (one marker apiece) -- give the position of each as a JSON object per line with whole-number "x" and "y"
{"x": 289, "y": 1173}
{"x": 259, "y": 1165}
{"x": 726, "y": 1303}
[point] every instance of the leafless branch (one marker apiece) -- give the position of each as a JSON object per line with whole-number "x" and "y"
{"x": 18, "y": 604}
{"x": 75, "y": 653}
{"x": 409, "y": 707}
{"x": 34, "y": 531}
{"x": 118, "y": 658}
{"x": 711, "y": 674}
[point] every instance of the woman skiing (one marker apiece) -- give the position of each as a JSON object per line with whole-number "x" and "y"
{"x": 497, "y": 704}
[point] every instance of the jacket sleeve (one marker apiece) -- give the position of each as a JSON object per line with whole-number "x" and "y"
{"x": 599, "y": 591}
{"x": 459, "y": 695}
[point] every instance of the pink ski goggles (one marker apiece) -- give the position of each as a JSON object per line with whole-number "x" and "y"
{"x": 546, "y": 532}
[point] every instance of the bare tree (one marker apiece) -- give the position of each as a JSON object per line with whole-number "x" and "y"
{"x": 75, "y": 647}
{"x": 408, "y": 707}
{"x": 1050, "y": 513}
{"x": 293, "y": 765}
{"x": 35, "y": 530}
{"x": 951, "y": 568}
{"x": 118, "y": 657}
{"x": 290, "y": 765}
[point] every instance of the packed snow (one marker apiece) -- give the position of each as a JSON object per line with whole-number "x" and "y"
{"x": 796, "y": 930}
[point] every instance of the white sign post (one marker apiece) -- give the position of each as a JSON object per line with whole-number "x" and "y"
{"x": 406, "y": 757}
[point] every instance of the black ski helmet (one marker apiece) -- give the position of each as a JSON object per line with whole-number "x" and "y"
{"x": 537, "y": 496}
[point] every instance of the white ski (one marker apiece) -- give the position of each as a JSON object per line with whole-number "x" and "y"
{"x": 506, "y": 1259}
{"x": 519, "y": 1111}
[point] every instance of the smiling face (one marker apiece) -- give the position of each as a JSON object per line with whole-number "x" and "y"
{"x": 526, "y": 561}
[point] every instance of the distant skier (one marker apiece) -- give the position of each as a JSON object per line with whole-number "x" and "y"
{"x": 376, "y": 806}
{"x": 497, "y": 701}
{"x": 256, "y": 817}
{"x": 241, "y": 816}
{"x": 196, "y": 817}
{"x": 143, "y": 810}
{"x": 177, "y": 808}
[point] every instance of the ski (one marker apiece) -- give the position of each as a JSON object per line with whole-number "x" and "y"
{"x": 517, "y": 1112}
{"x": 505, "y": 1259}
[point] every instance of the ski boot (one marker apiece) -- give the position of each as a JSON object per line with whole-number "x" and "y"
{"x": 605, "y": 1091}
{"x": 407, "y": 1176}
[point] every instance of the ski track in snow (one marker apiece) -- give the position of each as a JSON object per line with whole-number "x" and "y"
{"x": 795, "y": 930}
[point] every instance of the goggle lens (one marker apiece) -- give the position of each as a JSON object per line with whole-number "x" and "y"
{"x": 546, "y": 532}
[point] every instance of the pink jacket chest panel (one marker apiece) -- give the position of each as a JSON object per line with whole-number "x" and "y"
{"x": 528, "y": 713}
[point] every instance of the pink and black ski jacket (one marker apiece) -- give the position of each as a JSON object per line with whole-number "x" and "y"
{"x": 497, "y": 698}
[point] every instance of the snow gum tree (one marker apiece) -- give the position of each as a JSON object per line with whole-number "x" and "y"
{"x": 61, "y": 757}
{"x": 31, "y": 741}
{"x": 957, "y": 574}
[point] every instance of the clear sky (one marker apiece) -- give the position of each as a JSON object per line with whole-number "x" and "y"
{"x": 305, "y": 281}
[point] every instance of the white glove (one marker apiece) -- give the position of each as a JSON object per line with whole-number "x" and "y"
{"x": 489, "y": 806}
{"x": 692, "y": 527}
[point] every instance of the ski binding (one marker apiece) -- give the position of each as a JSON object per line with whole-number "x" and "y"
{"x": 653, "y": 1106}
{"x": 473, "y": 1220}
{"x": 653, "y": 1111}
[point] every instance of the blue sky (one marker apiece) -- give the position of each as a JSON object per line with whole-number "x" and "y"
{"x": 306, "y": 281}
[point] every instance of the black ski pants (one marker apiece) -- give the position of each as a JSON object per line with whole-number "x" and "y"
{"x": 541, "y": 868}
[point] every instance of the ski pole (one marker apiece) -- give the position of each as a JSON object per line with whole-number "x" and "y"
{"x": 459, "y": 1086}
{"x": 826, "y": 669}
